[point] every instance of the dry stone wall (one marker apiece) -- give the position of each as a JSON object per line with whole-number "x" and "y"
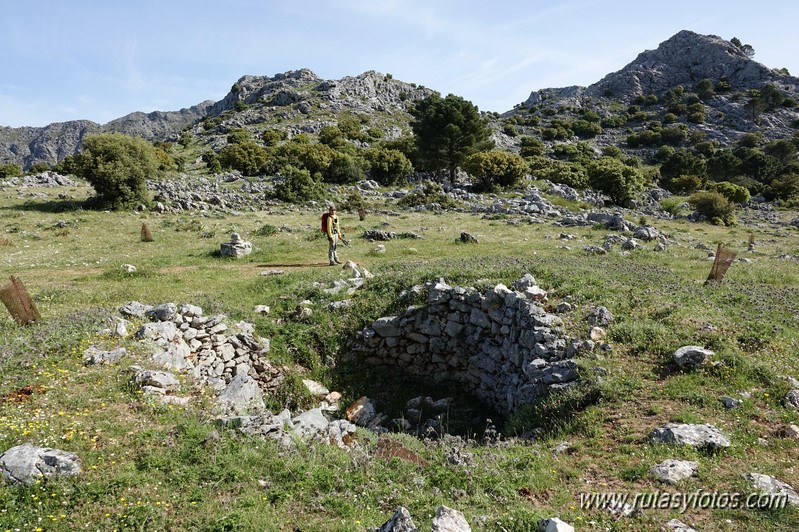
{"x": 502, "y": 345}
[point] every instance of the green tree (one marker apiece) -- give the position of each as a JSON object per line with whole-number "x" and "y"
{"x": 117, "y": 166}
{"x": 617, "y": 180}
{"x": 785, "y": 187}
{"x": 705, "y": 89}
{"x": 683, "y": 162}
{"x": 496, "y": 169}
{"x": 387, "y": 166}
{"x": 447, "y": 131}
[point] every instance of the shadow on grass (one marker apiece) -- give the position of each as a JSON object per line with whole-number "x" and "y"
{"x": 51, "y": 206}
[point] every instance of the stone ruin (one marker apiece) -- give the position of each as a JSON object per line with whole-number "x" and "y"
{"x": 501, "y": 345}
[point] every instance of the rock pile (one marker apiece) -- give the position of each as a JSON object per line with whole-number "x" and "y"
{"x": 501, "y": 344}
{"x": 183, "y": 339}
{"x": 236, "y": 247}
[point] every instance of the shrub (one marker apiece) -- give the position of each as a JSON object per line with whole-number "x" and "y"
{"x": 496, "y": 169}
{"x": 785, "y": 187}
{"x": 247, "y": 157}
{"x": 431, "y": 192}
{"x": 614, "y": 178}
{"x": 531, "y": 147}
{"x": 271, "y": 137}
{"x": 387, "y": 166}
{"x": 713, "y": 206}
{"x": 117, "y": 166}
{"x": 571, "y": 174}
{"x": 38, "y": 167}
{"x": 237, "y": 136}
{"x": 734, "y": 193}
{"x": 10, "y": 170}
{"x": 612, "y": 151}
{"x": 343, "y": 169}
{"x": 295, "y": 185}
{"x": 683, "y": 184}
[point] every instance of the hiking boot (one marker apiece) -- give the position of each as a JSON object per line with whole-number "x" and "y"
{"x": 333, "y": 263}
{"x": 338, "y": 261}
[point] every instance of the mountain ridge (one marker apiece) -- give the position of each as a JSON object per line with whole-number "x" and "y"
{"x": 299, "y": 101}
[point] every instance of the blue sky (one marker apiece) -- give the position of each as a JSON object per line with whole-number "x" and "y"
{"x": 99, "y": 60}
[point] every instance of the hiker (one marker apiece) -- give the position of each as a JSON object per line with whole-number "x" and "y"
{"x": 334, "y": 234}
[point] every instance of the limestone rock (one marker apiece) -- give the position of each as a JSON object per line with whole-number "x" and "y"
{"x": 242, "y": 396}
{"x": 701, "y": 436}
{"x": 401, "y": 521}
{"x": 772, "y": 486}
{"x": 27, "y": 463}
{"x": 94, "y": 355}
{"x": 236, "y": 247}
{"x": 792, "y": 399}
{"x": 449, "y": 520}
{"x": 691, "y": 356}
{"x": 672, "y": 471}
{"x": 675, "y": 525}
{"x": 553, "y": 524}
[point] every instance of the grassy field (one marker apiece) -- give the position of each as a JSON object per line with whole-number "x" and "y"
{"x": 154, "y": 467}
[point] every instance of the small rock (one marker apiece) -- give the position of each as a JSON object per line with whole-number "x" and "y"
{"x": 675, "y": 525}
{"x": 792, "y": 399}
{"x": 449, "y": 520}
{"x": 129, "y": 268}
{"x": 400, "y": 522}
{"x": 731, "y": 403}
{"x": 691, "y": 356}
{"x": 553, "y": 524}
{"x": 262, "y": 309}
{"x": 701, "y": 436}
{"x": 597, "y": 334}
{"x": 672, "y": 471}
{"x": 792, "y": 431}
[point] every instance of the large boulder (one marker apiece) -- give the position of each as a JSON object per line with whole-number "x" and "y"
{"x": 27, "y": 463}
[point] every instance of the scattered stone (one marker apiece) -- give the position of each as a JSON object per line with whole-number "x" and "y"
{"x": 772, "y": 486}
{"x": 673, "y": 471}
{"x": 691, "y": 356}
{"x": 27, "y": 463}
{"x": 134, "y": 309}
{"x": 647, "y": 233}
{"x": 269, "y": 273}
{"x": 553, "y": 524}
{"x": 792, "y": 399}
{"x": 262, "y": 309}
{"x": 339, "y": 305}
{"x": 629, "y": 244}
{"x": 316, "y": 389}
{"x": 401, "y": 521}
{"x": 675, "y": 525}
{"x": 467, "y": 238}
{"x": 380, "y": 249}
{"x": 129, "y": 268}
{"x": 236, "y": 247}
{"x": 449, "y": 520}
{"x": 791, "y": 431}
{"x": 597, "y": 334}
{"x": 153, "y": 381}
{"x": 600, "y": 316}
{"x": 731, "y": 403}
{"x": 373, "y": 235}
{"x": 701, "y": 436}
{"x": 94, "y": 355}
{"x": 242, "y": 396}
{"x": 165, "y": 312}
{"x": 595, "y": 250}
{"x": 562, "y": 447}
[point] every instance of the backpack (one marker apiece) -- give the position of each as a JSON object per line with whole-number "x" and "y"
{"x": 325, "y": 216}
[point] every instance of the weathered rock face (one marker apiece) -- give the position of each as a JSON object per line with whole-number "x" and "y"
{"x": 502, "y": 345}
{"x": 700, "y": 436}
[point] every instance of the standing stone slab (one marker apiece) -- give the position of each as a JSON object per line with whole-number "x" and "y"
{"x": 242, "y": 396}
{"x": 27, "y": 463}
{"x": 701, "y": 436}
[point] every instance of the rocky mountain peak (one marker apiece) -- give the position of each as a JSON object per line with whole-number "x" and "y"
{"x": 685, "y": 59}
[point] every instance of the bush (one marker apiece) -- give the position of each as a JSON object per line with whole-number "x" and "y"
{"x": 785, "y": 188}
{"x": 431, "y": 192}
{"x": 271, "y": 137}
{"x": 10, "y": 170}
{"x": 619, "y": 181}
{"x": 388, "y": 167}
{"x": 117, "y": 166}
{"x": 247, "y": 157}
{"x": 566, "y": 173}
{"x": 734, "y": 193}
{"x": 683, "y": 184}
{"x": 295, "y": 185}
{"x": 38, "y": 167}
{"x": 496, "y": 169}
{"x": 714, "y": 207}
{"x": 343, "y": 169}
{"x": 531, "y": 147}
{"x": 238, "y": 136}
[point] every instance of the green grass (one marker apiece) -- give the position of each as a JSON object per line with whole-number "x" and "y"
{"x": 152, "y": 467}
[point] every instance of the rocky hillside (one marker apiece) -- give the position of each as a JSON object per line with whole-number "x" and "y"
{"x": 681, "y": 63}
{"x": 701, "y": 83}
